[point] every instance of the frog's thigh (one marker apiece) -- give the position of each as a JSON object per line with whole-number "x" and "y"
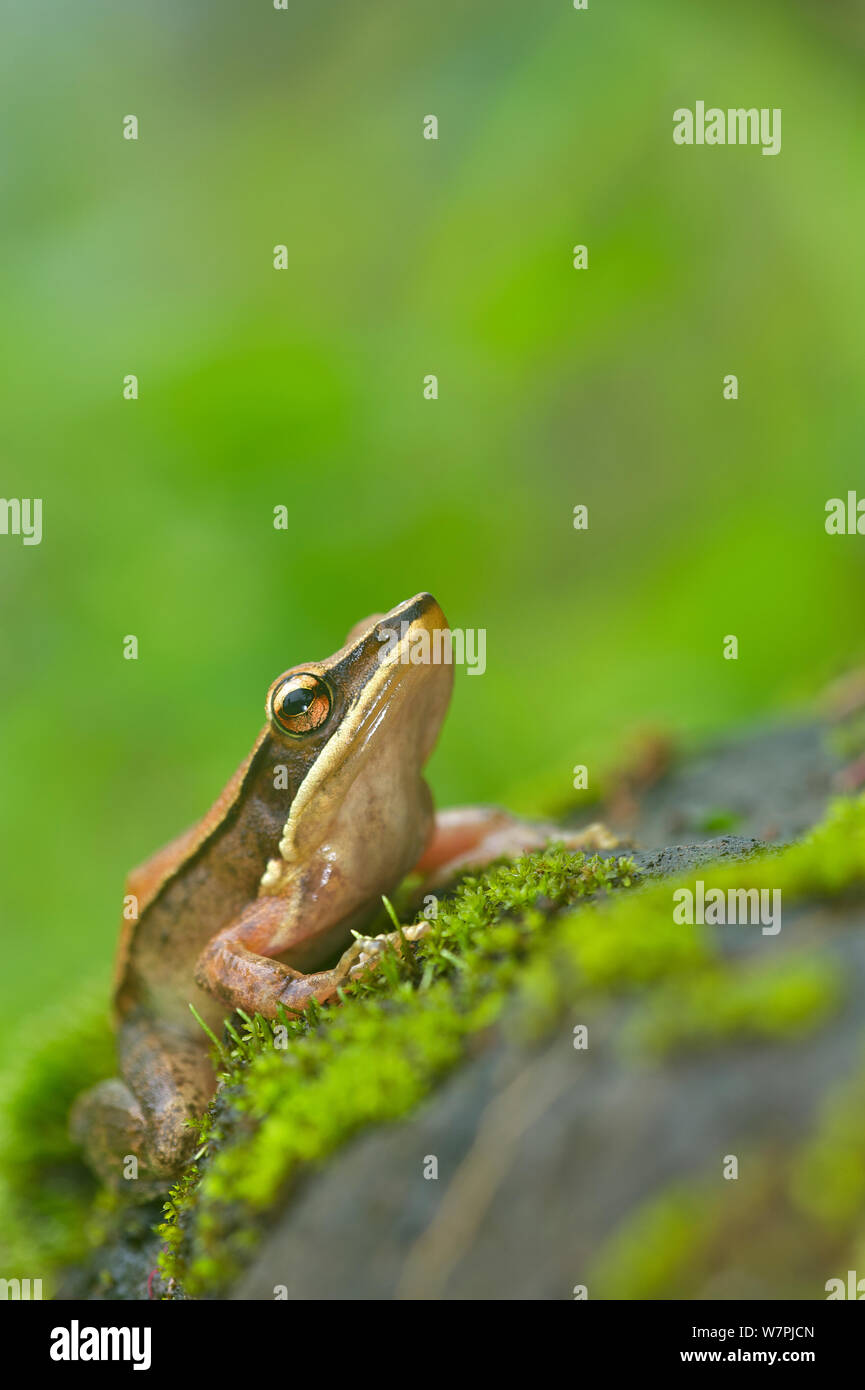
{"x": 236, "y": 967}
{"x": 472, "y": 836}
{"x": 466, "y": 831}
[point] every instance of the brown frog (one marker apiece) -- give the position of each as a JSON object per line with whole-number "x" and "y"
{"x": 249, "y": 908}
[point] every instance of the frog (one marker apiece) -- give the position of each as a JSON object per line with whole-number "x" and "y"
{"x": 262, "y": 906}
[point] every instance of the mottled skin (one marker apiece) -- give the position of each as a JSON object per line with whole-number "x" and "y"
{"x": 249, "y": 908}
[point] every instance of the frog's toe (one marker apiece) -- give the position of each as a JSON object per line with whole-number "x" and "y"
{"x": 367, "y": 951}
{"x": 594, "y": 836}
{"x": 109, "y": 1124}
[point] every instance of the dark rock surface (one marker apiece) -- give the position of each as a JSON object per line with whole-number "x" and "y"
{"x": 773, "y": 782}
{"x": 122, "y": 1268}
{"x": 673, "y": 860}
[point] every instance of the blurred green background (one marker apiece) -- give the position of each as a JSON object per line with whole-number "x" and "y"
{"x": 304, "y": 387}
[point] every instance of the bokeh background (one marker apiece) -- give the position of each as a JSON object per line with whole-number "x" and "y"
{"x": 304, "y": 387}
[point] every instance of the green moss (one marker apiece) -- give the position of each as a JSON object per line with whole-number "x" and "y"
{"x": 719, "y": 821}
{"x": 828, "y": 1178}
{"x": 46, "y": 1192}
{"x": 768, "y": 1000}
{"x": 655, "y": 1251}
{"x": 699, "y": 998}
{"x": 712, "y": 1235}
{"x": 793, "y": 1217}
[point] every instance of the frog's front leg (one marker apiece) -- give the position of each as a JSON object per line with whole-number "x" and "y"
{"x": 237, "y": 968}
{"x": 470, "y": 837}
{"x": 167, "y": 1079}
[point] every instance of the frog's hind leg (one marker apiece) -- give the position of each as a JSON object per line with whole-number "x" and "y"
{"x": 169, "y": 1080}
{"x": 470, "y": 837}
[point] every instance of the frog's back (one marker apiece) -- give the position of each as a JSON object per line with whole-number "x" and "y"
{"x": 180, "y": 900}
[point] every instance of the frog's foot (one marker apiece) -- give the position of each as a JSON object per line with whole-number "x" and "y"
{"x": 137, "y": 1141}
{"x": 109, "y": 1124}
{"x": 367, "y": 951}
{"x": 470, "y": 837}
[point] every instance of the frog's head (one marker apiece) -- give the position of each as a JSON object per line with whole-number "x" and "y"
{"x": 354, "y": 732}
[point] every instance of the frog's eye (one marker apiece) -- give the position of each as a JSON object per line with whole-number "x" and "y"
{"x": 300, "y": 703}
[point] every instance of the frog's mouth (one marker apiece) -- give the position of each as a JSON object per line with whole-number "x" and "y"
{"x": 392, "y": 681}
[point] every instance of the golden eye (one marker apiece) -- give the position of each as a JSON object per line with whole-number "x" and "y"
{"x": 300, "y": 704}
